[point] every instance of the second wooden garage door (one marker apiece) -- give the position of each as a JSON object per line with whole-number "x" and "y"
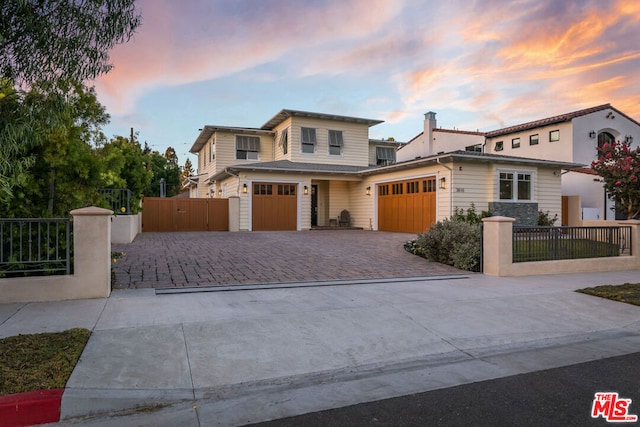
{"x": 407, "y": 206}
{"x": 274, "y": 206}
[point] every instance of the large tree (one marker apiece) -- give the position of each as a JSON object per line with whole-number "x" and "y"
{"x": 619, "y": 166}
{"x": 43, "y": 40}
{"x": 126, "y": 166}
{"x": 63, "y": 173}
{"x": 43, "y": 45}
{"x": 164, "y": 168}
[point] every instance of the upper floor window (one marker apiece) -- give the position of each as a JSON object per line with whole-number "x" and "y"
{"x": 477, "y": 148}
{"x": 499, "y": 146}
{"x": 534, "y": 139}
{"x": 515, "y": 143}
{"x": 308, "y": 140}
{"x": 554, "y": 135}
{"x": 284, "y": 140}
{"x": 247, "y": 147}
{"x": 515, "y": 185}
{"x": 385, "y": 156}
{"x": 212, "y": 152}
{"x": 335, "y": 142}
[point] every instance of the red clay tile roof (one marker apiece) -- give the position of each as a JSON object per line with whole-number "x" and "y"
{"x": 548, "y": 121}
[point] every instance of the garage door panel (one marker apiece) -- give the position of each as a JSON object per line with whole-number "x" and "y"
{"x": 406, "y": 206}
{"x": 274, "y": 206}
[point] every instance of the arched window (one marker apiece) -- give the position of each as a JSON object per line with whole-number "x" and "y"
{"x": 605, "y": 138}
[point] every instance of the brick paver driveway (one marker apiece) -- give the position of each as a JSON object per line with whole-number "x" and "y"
{"x": 161, "y": 260}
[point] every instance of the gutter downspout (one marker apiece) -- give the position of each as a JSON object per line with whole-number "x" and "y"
{"x": 237, "y": 176}
{"x": 450, "y": 186}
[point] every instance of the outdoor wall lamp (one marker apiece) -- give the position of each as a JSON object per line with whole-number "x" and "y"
{"x": 305, "y": 190}
{"x": 592, "y": 134}
{"x": 443, "y": 183}
{"x": 220, "y": 192}
{"x": 368, "y": 191}
{"x": 244, "y": 188}
{"x": 628, "y": 139}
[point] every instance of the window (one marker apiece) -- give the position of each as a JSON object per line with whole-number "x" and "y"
{"x": 413, "y": 187}
{"x": 212, "y": 152}
{"x": 263, "y": 189}
{"x": 534, "y": 139}
{"x": 524, "y": 186}
{"x": 286, "y": 189}
{"x": 520, "y": 181}
{"x": 429, "y": 186}
{"x": 554, "y": 135}
{"x": 515, "y": 143}
{"x": 396, "y": 188}
{"x": 308, "y": 140}
{"x": 247, "y": 147}
{"x": 284, "y": 140}
{"x": 383, "y": 190}
{"x": 335, "y": 142}
{"x": 474, "y": 148}
{"x": 385, "y": 156}
{"x": 499, "y": 146}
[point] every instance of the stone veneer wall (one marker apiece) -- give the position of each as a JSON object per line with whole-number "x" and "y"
{"x": 525, "y": 214}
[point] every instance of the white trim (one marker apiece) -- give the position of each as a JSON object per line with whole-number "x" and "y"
{"x": 514, "y": 195}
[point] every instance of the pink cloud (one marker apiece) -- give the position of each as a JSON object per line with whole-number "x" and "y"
{"x": 184, "y": 42}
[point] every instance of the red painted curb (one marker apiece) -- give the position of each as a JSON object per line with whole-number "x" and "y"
{"x": 27, "y": 409}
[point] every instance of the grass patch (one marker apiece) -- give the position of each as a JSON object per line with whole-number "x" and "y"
{"x": 629, "y": 292}
{"x": 39, "y": 361}
{"x": 541, "y": 250}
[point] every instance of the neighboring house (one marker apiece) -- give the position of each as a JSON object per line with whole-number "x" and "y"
{"x": 302, "y": 169}
{"x": 571, "y": 137}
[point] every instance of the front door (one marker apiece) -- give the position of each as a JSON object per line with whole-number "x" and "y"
{"x": 314, "y": 205}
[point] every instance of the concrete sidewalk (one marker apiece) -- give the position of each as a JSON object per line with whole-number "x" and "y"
{"x": 239, "y": 357}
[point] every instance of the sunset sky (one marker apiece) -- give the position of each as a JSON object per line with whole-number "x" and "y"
{"x": 480, "y": 65}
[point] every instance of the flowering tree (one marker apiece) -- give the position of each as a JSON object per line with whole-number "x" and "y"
{"x": 619, "y": 166}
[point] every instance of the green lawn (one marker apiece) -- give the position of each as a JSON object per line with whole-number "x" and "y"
{"x": 39, "y": 361}
{"x": 541, "y": 250}
{"x": 629, "y": 292}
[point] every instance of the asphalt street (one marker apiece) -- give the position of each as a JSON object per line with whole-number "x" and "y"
{"x": 554, "y": 397}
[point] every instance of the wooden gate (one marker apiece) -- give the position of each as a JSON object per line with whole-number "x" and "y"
{"x": 407, "y": 206}
{"x": 181, "y": 214}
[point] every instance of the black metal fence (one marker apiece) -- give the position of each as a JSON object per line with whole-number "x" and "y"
{"x": 556, "y": 243}
{"x": 118, "y": 199}
{"x": 35, "y": 247}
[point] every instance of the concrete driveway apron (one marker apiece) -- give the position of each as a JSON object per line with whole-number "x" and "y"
{"x": 199, "y": 259}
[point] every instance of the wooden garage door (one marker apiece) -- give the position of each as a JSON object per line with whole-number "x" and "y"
{"x": 407, "y": 206}
{"x": 274, "y": 206}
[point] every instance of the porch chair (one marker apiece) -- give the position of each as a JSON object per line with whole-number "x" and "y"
{"x": 344, "y": 219}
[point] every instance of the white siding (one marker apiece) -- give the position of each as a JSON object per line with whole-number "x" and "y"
{"x": 561, "y": 150}
{"x": 472, "y": 183}
{"x": 355, "y": 136}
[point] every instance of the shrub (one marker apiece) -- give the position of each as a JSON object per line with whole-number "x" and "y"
{"x": 453, "y": 242}
{"x": 471, "y": 216}
{"x": 544, "y": 220}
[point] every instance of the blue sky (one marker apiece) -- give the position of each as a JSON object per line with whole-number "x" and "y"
{"x": 479, "y": 64}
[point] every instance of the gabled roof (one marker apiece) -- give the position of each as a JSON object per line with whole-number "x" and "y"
{"x": 285, "y": 114}
{"x": 207, "y": 131}
{"x": 567, "y": 117}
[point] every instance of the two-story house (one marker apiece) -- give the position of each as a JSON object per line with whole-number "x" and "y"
{"x": 301, "y": 170}
{"x": 571, "y": 137}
